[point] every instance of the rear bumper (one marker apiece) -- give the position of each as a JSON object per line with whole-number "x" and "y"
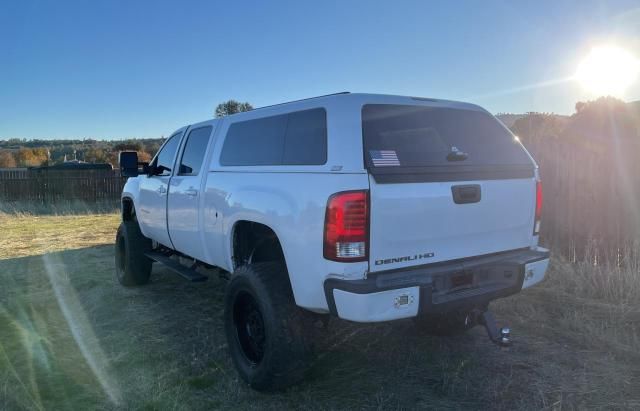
{"x": 435, "y": 288}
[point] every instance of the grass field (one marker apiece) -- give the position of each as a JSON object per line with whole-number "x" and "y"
{"x": 72, "y": 338}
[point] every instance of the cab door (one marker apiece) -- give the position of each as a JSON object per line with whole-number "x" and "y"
{"x": 184, "y": 199}
{"x": 151, "y": 208}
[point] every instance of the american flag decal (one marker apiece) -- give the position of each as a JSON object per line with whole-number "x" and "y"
{"x": 384, "y": 158}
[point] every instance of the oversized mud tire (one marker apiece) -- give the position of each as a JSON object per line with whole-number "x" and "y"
{"x": 132, "y": 266}
{"x": 269, "y": 337}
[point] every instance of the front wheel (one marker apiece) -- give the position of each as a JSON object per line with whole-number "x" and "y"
{"x": 268, "y": 335}
{"x": 132, "y": 266}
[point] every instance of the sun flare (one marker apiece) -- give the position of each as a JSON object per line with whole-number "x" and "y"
{"x": 608, "y": 70}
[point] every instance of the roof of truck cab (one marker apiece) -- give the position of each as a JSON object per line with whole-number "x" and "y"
{"x": 356, "y": 98}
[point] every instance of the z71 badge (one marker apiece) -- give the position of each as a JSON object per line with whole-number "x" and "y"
{"x": 405, "y": 258}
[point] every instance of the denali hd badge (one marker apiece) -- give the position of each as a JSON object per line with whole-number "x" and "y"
{"x": 405, "y": 258}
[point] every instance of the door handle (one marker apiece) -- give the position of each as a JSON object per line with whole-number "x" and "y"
{"x": 162, "y": 190}
{"x": 191, "y": 192}
{"x": 466, "y": 194}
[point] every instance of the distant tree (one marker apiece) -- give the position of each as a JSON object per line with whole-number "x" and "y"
{"x": 95, "y": 155}
{"x": 41, "y": 155}
{"x": 144, "y": 156}
{"x": 535, "y": 127}
{"x": 7, "y": 160}
{"x": 606, "y": 120}
{"x": 128, "y": 146}
{"x": 152, "y": 147}
{"x": 57, "y": 154}
{"x": 232, "y": 107}
{"x": 32, "y": 157}
{"x": 13, "y": 142}
{"x": 112, "y": 158}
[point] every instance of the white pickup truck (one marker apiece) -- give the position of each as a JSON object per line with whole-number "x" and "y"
{"x": 366, "y": 207}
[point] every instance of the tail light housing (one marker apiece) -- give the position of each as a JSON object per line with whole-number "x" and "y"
{"x": 346, "y": 226}
{"x": 538, "y": 217}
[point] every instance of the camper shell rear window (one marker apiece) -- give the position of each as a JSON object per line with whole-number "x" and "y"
{"x": 435, "y": 140}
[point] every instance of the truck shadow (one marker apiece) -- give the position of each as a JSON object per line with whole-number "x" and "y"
{"x": 74, "y": 334}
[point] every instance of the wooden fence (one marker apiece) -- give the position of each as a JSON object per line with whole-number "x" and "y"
{"x": 62, "y": 186}
{"x": 13, "y": 173}
{"x": 591, "y": 195}
{"x": 591, "y": 192}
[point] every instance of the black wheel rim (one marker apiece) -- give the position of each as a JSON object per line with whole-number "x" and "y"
{"x": 249, "y": 325}
{"x": 120, "y": 255}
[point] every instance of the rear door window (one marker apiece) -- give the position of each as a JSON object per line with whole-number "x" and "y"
{"x": 404, "y": 136}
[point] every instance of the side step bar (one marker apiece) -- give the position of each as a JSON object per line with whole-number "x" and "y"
{"x": 185, "y": 272}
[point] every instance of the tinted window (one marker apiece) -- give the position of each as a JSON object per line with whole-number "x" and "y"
{"x": 306, "y": 138}
{"x": 298, "y": 138}
{"x": 255, "y": 142}
{"x": 417, "y": 136}
{"x": 194, "y": 151}
{"x": 164, "y": 159}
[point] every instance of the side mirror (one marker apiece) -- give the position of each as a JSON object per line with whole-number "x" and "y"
{"x": 129, "y": 165}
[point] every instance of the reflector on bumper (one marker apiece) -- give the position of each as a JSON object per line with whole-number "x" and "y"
{"x": 380, "y": 306}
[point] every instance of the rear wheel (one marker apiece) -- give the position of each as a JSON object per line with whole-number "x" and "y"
{"x": 132, "y": 266}
{"x": 268, "y": 335}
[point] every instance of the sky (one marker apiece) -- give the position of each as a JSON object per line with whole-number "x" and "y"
{"x": 121, "y": 69}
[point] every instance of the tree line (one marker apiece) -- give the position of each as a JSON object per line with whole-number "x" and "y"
{"x": 50, "y": 152}
{"x": 38, "y": 152}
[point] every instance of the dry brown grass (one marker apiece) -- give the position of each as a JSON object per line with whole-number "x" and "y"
{"x": 617, "y": 282}
{"x": 24, "y": 234}
{"x": 68, "y": 207}
{"x": 71, "y": 338}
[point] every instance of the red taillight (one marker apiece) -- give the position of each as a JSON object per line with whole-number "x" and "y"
{"x": 536, "y": 224}
{"x": 346, "y": 226}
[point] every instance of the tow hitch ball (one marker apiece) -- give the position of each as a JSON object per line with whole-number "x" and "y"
{"x": 500, "y": 336}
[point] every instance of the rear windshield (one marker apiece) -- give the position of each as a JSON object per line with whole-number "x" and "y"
{"x": 399, "y": 136}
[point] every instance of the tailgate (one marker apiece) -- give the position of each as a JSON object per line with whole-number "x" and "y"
{"x": 419, "y": 223}
{"x": 445, "y": 183}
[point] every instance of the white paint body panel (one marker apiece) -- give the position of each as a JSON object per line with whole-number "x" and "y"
{"x": 375, "y": 307}
{"x": 183, "y": 220}
{"x": 296, "y": 216}
{"x": 420, "y": 218}
{"x": 152, "y": 208}
{"x": 291, "y": 200}
{"x": 534, "y": 272}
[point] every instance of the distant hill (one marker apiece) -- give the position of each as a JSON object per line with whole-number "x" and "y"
{"x": 508, "y": 119}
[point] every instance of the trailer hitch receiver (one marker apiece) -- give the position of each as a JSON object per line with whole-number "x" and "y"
{"x": 500, "y": 336}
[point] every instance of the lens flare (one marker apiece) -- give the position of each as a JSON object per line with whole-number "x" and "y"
{"x": 608, "y": 70}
